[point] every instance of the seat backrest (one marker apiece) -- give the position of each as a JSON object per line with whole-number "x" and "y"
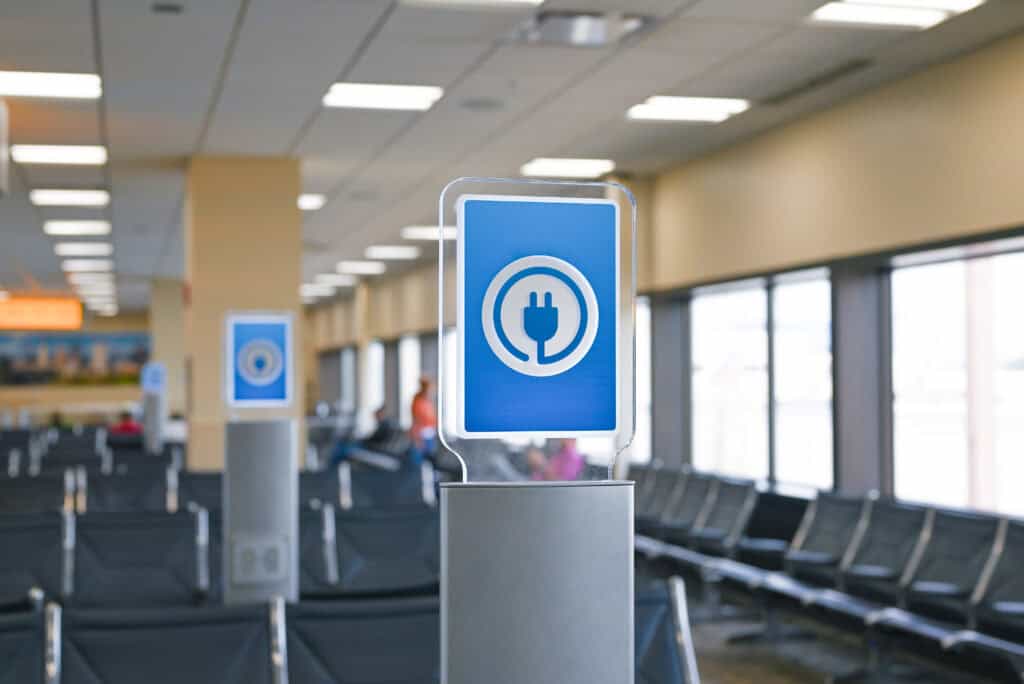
{"x": 642, "y": 477}
{"x": 32, "y": 552}
{"x": 387, "y": 552}
{"x": 144, "y": 490}
{"x": 958, "y": 548}
{"x": 391, "y": 641}
{"x": 373, "y": 488}
{"x": 138, "y": 559}
{"x": 321, "y": 486}
{"x": 35, "y": 494}
{"x": 1005, "y": 586}
{"x": 664, "y": 645}
{"x": 734, "y": 502}
{"x": 832, "y": 524}
{"x": 665, "y": 482}
{"x": 687, "y": 508}
{"x": 226, "y": 645}
{"x": 202, "y": 489}
{"x": 883, "y": 551}
{"x": 22, "y": 647}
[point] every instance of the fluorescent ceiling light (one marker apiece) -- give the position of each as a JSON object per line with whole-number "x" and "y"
{"x": 382, "y": 96}
{"x": 69, "y": 198}
{"x": 473, "y": 3}
{"x": 87, "y": 265}
{"x": 393, "y": 252}
{"x": 335, "y": 280}
{"x": 43, "y": 84}
{"x": 315, "y": 290}
{"x": 108, "y": 312}
{"x": 82, "y": 155}
{"x": 96, "y": 295}
{"x": 428, "y": 233}
{"x": 311, "y": 202}
{"x": 361, "y": 267}
{"x": 955, "y": 6}
{"x": 90, "y": 278}
{"x": 546, "y": 167}
{"x": 879, "y": 15}
{"x": 76, "y": 228}
{"x": 697, "y": 109}
{"x": 83, "y": 249}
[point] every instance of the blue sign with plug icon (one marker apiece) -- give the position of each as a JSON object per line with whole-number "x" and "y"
{"x": 538, "y": 316}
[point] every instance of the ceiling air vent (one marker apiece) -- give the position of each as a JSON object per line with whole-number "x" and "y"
{"x": 580, "y": 29}
{"x": 826, "y": 78}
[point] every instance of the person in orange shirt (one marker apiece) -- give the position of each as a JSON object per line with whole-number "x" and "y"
{"x": 424, "y": 421}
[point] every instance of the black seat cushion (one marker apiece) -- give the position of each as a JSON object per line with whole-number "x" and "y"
{"x": 22, "y": 644}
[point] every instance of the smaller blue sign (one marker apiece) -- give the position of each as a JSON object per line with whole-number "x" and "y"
{"x": 153, "y": 378}
{"x": 258, "y": 361}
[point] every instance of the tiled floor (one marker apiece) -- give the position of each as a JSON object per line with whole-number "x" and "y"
{"x": 787, "y": 662}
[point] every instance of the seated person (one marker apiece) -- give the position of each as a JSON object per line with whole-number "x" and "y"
{"x": 379, "y": 440}
{"x": 126, "y": 425}
{"x": 566, "y": 464}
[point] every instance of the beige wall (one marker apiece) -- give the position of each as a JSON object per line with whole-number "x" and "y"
{"x": 935, "y": 156}
{"x": 167, "y": 329}
{"x": 243, "y": 251}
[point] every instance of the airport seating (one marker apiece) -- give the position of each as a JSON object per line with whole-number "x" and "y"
{"x": 51, "y": 492}
{"x": 727, "y": 517}
{"x": 22, "y": 647}
{"x": 688, "y": 512}
{"x": 318, "y": 554}
{"x": 658, "y": 495}
{"x": 999, "y": 610}
{"x": 365, "y": 487}
{"x": 321, "y": 485}
{"x": 387, "y": 552}
{"x": 142, "y": 559}
{"x": 664, "y": 644}
{"x": 226, "y": 645}
{"x": 201, "y": 489}
{"x": 390, "y": 641}
{"x": 142, "y": 489}
{"x": 34, "y": 553}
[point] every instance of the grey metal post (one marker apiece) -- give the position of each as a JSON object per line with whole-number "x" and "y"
{"x": 261, "y": 522}
{"x": 537, "y": 583}
{"x": 153, "y": 407}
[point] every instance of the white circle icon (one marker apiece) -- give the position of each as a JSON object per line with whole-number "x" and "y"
{"x": 540, "y": 316}
{"x": 260, "y": 362}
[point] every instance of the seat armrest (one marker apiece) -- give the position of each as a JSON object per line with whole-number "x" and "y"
{"x": 763, "y": 545}
{"x": 1009, "y": 608}
{"x": 872, "y": 572}
{"x": 812, "y": 558}
{"x": 939, "y": 589}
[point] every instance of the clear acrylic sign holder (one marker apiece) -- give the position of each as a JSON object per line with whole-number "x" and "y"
{"x": 536, "y": 572}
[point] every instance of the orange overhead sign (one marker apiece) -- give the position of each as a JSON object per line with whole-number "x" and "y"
{"x": 40, "y": 313}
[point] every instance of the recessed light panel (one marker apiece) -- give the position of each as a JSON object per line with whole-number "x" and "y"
{"x": 315, "y": 290}
{"x": 382, "y": 96}
{"x": 69, "y": 198}
{"x": 549, "y": 167}
{"x": 429, "y": 233}
{"x": 83, "y": 249}
{"x": 72, "y": 155}
{"x": 473, "y": 3}
{"x": 693, "y": 109}
{"x": 46, "y": 84}
{"x": 880, "y": 15}
{"x": 955, "y": 6}
{"x": 87, "y": 265}
{"x": 335, "y": 280}
{"x": 393, "y": 252}
{"x": 76, "y": 228}
{"x": 361, "y": 267}
{"x": 311, "y": 202}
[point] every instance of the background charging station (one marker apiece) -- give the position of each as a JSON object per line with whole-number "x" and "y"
{"x": 537, "y": 577}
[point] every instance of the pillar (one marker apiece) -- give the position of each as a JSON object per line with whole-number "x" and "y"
{"x": 167, "y": 332}
{"x": 243, "y": 251}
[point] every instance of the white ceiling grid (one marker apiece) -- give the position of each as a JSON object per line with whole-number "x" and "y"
{"x": 246, "y": 77}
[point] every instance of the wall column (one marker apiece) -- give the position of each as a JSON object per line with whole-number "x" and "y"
{"x": 243, "y": 250}
{"x": 671, "y": 400}
{"x": 167, "y": 331}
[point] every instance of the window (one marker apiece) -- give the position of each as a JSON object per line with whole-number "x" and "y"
{"x": 730, "y": 382}
{"x": 372, "y": 387}
{"x": 408, "y": 376}
{"x": 958, "y": 381}
{"x": 348, "y": 380}
{"x": 802, "y": 322}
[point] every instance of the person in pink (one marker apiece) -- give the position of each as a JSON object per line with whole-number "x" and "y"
{"x": 566, "y": 464}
